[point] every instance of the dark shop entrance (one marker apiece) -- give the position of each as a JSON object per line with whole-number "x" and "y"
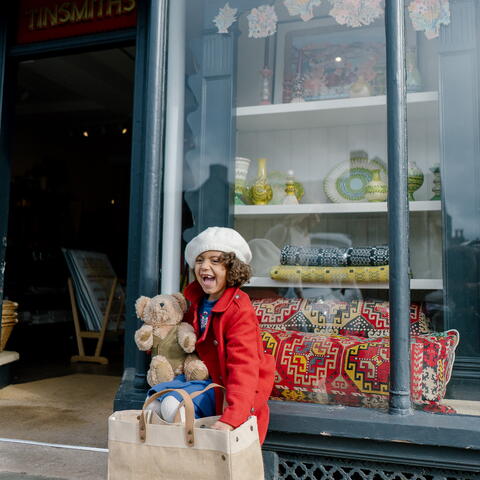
{"x": 70, "y": 149}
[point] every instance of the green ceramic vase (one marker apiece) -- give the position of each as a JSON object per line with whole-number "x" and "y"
{"x": 376, "y": 188}
{"x": 415, "y": 179}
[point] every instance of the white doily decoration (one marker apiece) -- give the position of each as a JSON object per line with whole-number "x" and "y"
{"x": 304, "y": 8}
{"x": 225, "y": 18}
{"x": 356, "y": 13}
{"x": 262, "y": 21}
{"x": 429, "y": 15}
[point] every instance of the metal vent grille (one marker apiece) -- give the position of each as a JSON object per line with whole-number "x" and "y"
{"x": 296, "y": 467}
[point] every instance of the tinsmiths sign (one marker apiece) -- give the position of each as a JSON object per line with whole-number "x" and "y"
{"x": 41, "y": 20}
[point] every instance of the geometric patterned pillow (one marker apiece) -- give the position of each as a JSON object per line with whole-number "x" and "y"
{"x": 355, "y": 371}
{"x": 366, "y": 318}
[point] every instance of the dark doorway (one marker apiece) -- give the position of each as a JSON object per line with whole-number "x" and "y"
{"x": 69, "y": 189}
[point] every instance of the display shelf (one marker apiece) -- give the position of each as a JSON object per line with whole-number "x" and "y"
{"x": 311, "y": 208}
{"x": 415, "y": 284}
{"x": 330, "y": 113}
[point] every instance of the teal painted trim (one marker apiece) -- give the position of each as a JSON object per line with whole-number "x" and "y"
{"x": 136, "y": 186}
{"x": 64, "y": 45}
{"x": 149, "y": 256}
{"x": 419, "y": 428}
{"x": 127, "y": 396}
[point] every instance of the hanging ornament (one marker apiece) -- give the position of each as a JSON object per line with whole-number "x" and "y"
{"x": 304, "y": 8}
{"x": 225, "y": 18}
{"x": 356, "y": 13}
{"x": 429, "y": 15}
{"x": 262, "y": 21}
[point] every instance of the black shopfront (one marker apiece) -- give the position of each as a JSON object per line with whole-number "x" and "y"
{"x": 372, "y": 113}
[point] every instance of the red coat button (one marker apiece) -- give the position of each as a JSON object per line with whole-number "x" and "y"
{"x": 215, "y": 342}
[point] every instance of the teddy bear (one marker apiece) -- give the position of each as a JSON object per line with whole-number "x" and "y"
{"x": 171, "y": 341}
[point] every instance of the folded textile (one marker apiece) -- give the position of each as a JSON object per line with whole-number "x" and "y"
{"x": 367, "y": 317}
{"x": 346, "y": 275}
{"x": 334, "y": 257}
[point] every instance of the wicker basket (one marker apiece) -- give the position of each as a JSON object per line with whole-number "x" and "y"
{"x": 9, "y": 319}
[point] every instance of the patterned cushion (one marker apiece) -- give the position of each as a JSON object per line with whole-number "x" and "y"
{"x": 355, "y": 370}
{"x": 367, "y": 318}
{"x": 344, "y": 275}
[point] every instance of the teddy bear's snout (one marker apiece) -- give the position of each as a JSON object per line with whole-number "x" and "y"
{"x": 160, "y": 309}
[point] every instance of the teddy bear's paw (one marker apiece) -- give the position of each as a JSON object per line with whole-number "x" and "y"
{"x": 186, "y": 337}
{"x": 144, "y": 337}
{"x": 154, "y": 379}
{"x": 160, "y": 371}
{"x": 196, "y": 370}
{"x": 189, "y": 343}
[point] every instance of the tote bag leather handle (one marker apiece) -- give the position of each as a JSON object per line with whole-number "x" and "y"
{"x": 199, "y": 392}
{"x": 189, "y": 414}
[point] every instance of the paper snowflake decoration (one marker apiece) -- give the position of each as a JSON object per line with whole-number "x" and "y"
{"x": 225, "y": 18}
{"x": 262, "y": 21}
{"x": 356, "y": 13}
{"x": 304, "y": 8}
{"x": 429, "y": 15}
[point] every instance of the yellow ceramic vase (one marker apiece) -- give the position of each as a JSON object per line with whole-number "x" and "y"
{"x": 261, "y": 192}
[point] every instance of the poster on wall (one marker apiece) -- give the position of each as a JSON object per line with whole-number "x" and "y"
{"x": 92, "y": 276}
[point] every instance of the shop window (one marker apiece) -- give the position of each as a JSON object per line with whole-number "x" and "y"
{"x": 307, "y": 187}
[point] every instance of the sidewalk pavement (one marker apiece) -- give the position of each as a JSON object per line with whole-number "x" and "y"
{"x": 20, "y": 461}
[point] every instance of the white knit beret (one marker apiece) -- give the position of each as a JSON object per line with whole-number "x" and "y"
{"x": 221, "y": 239}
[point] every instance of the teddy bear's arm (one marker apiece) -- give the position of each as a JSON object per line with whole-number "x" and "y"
{"x": 186, "y": 337}
{"x": 144, "y": 337}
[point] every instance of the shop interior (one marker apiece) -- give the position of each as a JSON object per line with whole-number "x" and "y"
{"x": 70, "y": 161}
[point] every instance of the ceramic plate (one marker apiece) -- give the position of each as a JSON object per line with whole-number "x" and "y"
{"x": 346, "y": 182}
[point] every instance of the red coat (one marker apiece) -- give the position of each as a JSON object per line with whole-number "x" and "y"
{"x": 232, "y": 349}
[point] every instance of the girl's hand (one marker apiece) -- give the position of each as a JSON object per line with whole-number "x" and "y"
{"x": 222, "y": 426}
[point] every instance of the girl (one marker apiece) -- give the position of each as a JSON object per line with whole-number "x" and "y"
{"x": 227, "y": 329}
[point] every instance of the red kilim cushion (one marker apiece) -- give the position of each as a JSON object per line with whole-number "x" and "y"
{"x": 351, "y": 370}
{"x": 366, "y": 318}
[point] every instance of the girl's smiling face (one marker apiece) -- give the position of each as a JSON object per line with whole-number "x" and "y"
{"x": 211, "y": 273}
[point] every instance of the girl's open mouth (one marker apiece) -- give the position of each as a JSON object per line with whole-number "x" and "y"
{"x": 208, "y": 280}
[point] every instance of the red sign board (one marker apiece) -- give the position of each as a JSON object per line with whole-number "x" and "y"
{"x": 41, "y": 20}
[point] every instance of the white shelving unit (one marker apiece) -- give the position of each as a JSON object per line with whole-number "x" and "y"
{"x": 415, "y": 284}
{"x": 266, "y": 130}
{"x": 330, "y": 113}
{"x": 311, "y": 208}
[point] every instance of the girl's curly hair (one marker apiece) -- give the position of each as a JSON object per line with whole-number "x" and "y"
{"x": 238, "y": 272}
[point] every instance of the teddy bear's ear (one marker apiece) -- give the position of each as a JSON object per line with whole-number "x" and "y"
{"x": 181, "y": 301}
{"x": 140, "y": 305}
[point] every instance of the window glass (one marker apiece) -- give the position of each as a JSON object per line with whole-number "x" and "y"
{"x": 303, "y": 87}
{"x": 445, "y": 149}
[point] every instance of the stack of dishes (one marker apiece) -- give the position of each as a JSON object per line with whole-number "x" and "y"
{"x": 9, "y": 319}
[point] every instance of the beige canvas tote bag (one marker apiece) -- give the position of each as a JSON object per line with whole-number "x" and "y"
{"x": 142, "y": 446}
